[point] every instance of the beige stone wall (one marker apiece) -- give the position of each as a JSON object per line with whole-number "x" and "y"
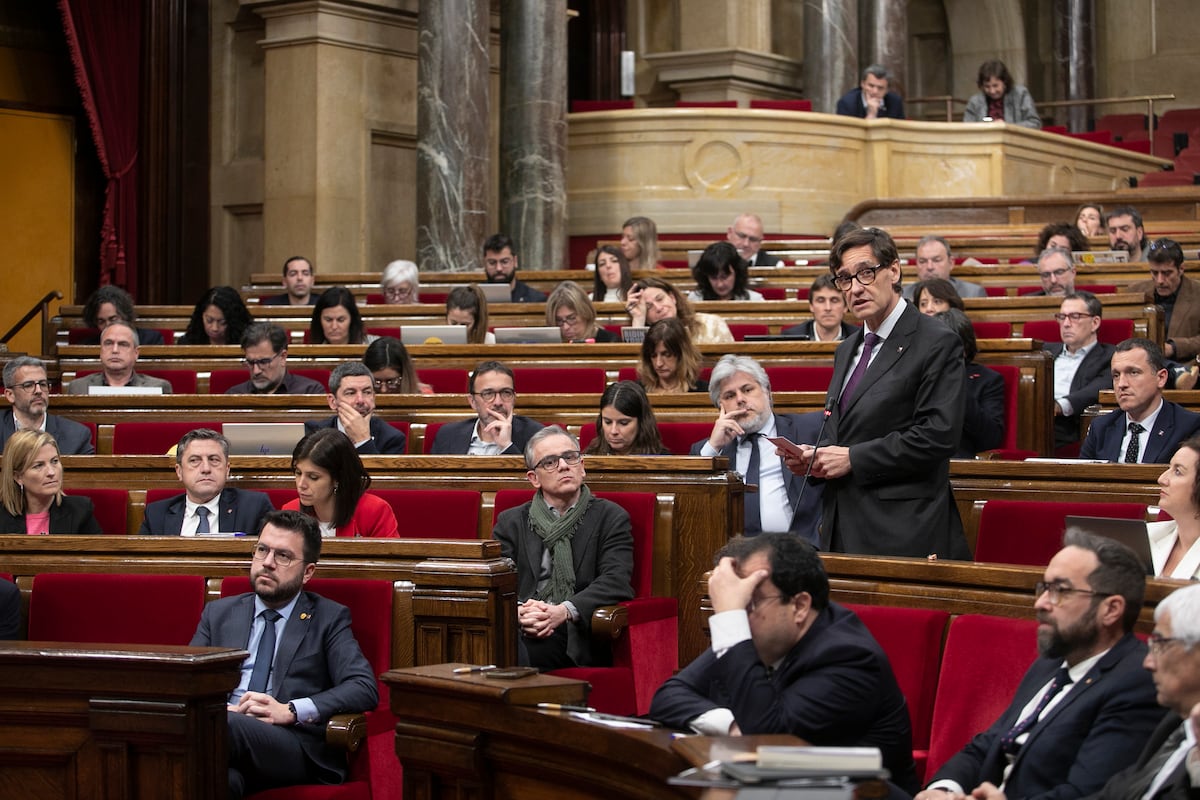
{"x": 1149, "y": 47}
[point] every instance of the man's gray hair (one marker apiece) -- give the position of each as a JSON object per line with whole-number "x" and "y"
{"x": 727, "y": 366}
{"x": 10, "y": 369}
{"x": 932, "y": 237}
{"x": 1056, "y": 251}
{"x": 348, "y": 369}
{"x": 1184, "y": 607}
{"x": 879, "y": 71}
{"x": 137, "y": 342}
{"x": 200, "y": 435}
{"x": 549, "y": 430}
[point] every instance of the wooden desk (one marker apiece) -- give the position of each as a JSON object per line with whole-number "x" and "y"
{"x": 118, "y": 722}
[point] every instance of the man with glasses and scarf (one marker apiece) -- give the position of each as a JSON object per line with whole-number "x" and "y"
{"x": 573, "y": 551}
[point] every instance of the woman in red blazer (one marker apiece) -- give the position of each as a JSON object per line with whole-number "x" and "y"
{"x": 332, "y": 485}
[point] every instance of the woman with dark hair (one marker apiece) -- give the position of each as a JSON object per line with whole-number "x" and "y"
{"x": 639, "y": 243}
{"x": 670, "y": 362}
{"x": 392, "y": 368}
{"x": 332, "y": 485}
{"x": 999, "y": 99}
{"x": 983, "y": 418}
{"x": 653, "y": 299}
{"x": 1089, "y": 218}
{"x": 626, "y": 425}
{"x": 569, "y": 309}
{"x": 935, "y": 295}
{"x": 31, "y": 480}
{"x": 721, "y": 274}
{"x": 1173, "y": 546}
{"x": 468, "y": 306}
{"x": 220, "y": 317}
{"x": 613, "y": 277}
{"x": 1060, "y": 235}
{"x": 335, "y": 319}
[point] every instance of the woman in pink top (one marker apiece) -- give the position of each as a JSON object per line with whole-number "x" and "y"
{"x": 31, "y": 490}
{"x": 332, "y": 485}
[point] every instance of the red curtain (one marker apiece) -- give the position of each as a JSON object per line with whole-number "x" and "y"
{"x": 105, "y": 37}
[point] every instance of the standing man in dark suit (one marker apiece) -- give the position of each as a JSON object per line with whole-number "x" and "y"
{"x": 784, "y": 659}
{"x": 1169, "y": 765}
{"x": 206, "y": 505}
{"x": 28, "y": 389}
{"x": 573, "y": 551}
{"x": 1085, "y": 706}
{"x": 741, "y": 389}
{"x": 1139, "y": 374}
{"x": 896, "y": 404}
{"x": 1081, "y": 364}
{"x": 496, "y": 430}
{"x": 298, "y": 275}
{"x": 352, "y": 396}
{"x": 500, "y": 265}
{"x": 872, "y": 100}
{"x": 304, "y": 664}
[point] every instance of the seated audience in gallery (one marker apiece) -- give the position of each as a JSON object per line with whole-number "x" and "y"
{"x": 670, "y": 363}
{"x": 110, "y": 304}
{"x": 400, "y": 283}
{"x": 1062, "y": 235}
{"x": 934, "y": 295}
{"x": 613, "y": 278}
{"x": 336, "y": 320}
{"x": 467, "y": 305}
{"x": 569, "y": 309}
{"x": 1001, "y": 99}
{"x": 626, "y": 425}
{"x": 722, "y": 274}
{"x": 392, "y": 368}
{"x": 639, "y": 243}
{"x": 653, "y": 299}
{"x": 1089, "y": 219}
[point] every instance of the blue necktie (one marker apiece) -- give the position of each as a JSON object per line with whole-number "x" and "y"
{"x": 202, "y": 513}
{"x": 1008, "y": 743}
{"x": 265, "y": 654}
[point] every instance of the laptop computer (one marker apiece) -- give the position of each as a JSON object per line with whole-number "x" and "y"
{"x": 1099, "y": 256}
{"x": 262, "y": 438}
{"x": 542, "y": 335}
{"x": 1130, "y": 532}
{"x": 433, "y": 334}
{"x": 496, "y": 292}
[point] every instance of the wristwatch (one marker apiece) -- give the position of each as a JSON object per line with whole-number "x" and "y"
{"x": 292, "y": 708}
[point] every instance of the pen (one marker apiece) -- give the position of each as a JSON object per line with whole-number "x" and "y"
{"x": 561, "y": 707}
{"x": 466, "y": 670}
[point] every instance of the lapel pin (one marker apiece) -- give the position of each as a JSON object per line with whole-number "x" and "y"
{"x": 304, "y": 616}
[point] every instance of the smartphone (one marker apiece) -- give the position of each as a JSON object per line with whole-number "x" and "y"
{"x": 510, "y": 673}
{"x": 787, "y": 445}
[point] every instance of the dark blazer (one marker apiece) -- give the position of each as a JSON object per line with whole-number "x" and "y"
{"x": 801, "y": 429}
{"x": 983, "y": 414}
{"x": 765, "y": 259}
{"x": 10, "y": 610}
{"x": 454, "y": 438}
{"x": 1174, "y": 425}
{"x": 73, "y": 439}
{"x": 835, "y": 688}
{"x": 602, "y": 546}
{"x": 76, "y": 515}
{"x": 1095, "y": 730}
{"x": 851, "y": 105}
{"x": 1125, "y": 783}
{"x": 241, "y": 511}
{"x": 1183, "y": 329}
{"x": 523, "y": 293}
{"x": 806, "y": 329}
{"x": 385, "y": 440}
{"x": 1094, "y": 374}
{"x": 285, "y": 300}
{"x": 902, "y": 426}
{"x": 291, "y": 384}
{"x": 317, "y": 658}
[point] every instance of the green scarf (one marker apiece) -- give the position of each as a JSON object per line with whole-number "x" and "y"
{"x": 555, "y": 533}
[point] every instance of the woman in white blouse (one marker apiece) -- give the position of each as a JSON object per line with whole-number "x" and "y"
{"x": 1173, "y": 544}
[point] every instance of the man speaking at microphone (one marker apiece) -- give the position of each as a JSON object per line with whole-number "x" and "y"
{"x": 897, "y": 413}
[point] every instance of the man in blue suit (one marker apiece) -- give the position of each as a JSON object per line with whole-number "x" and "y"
{"x": 304, "y": 665}
{"x": 1085, "y": 707}
{"x": 1139, "y": 374}
{"x": 352, "y": 397}
{"x": 740, "y": 388}
{"x": 206, "y": 506}
{"x": 872, "y": 100}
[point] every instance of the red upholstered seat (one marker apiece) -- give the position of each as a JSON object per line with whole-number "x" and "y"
{"x": 992, "y": 329}
{"x": 1168, "y": 178}
{"x": 431, "y": 430}
{"x": 403, "y": 426}
{"x": 434, "y": 513}
{"x": 1030, "y": 532}
{"x": 799, "y": 379}
{"x": 773, "y": 292}
{"x": 1012, "y": 382}
{"x": 115, "y": 609}
{"x": 1112, "y": 331}
{"x": 912, "y": 640}
{"x": 706, "y": 103}
{"x": 1121, "y": 125}
{"x": 741, "y": 330}
{"x": 646, "y": 652}
{"x": 112, "y": 508}
{"x": 281, "y": 497}
{"x": 782, "y": 105}
{"x": 153, "y": 438}
{"x": 982, "y": 663}
{"x": 393, "y": 332}
{"x": 678, "y": 437}
{"x": 559, "y": 380}
{"x": 445, "y": 381}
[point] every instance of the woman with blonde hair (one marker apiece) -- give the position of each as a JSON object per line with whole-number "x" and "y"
{"x": 467, "y": 305}
{"x": 31, "y": 481}
{"x": 670, "y": 362}
{"x": 639, "y": 243}
{"x": 653, "y": 299}
{"x": 569, "y": 309}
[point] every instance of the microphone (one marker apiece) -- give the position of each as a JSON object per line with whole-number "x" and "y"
{"x": 828, "y": 412}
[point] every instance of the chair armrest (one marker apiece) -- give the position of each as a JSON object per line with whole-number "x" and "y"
{"x": 609, "y": 622}
{"x": 346, "y": 731}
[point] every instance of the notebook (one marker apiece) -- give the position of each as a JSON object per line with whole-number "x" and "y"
{"x": 1130, "y": 532}
{"x": 527, "y": 335}
{"x": 262, "y": 438}
{"x": 433, "y": 334}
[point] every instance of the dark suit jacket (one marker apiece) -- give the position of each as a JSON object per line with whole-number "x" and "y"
{"x": 851, "y": 105}
{"x": 241, "y": 511}
{"x": 1123, "y": 785}
{"x": 765, "y": 259}
{"x": 801, "y": 429}
{"x": 1094, "y": 374}
{"x": 385, "y": 440}
{"x": 522, "y": 293}
{"x": 10, "y": 610}
{"x": 284, "y": 300}
{"x": 291, "y": 384}
{"x": 902, "y": 426}
{"x": 75, "y": 515}
{"x": 835, "y": 688}
{"x": 73, "y": 439}
{"x": 1184, "y": 326}
{"x": 602, "y": 546}
{"x": 983, "y": 414}
{"x": 1175, "y": 424}
{"x": 317, "y": 658}
{"x": 806, "y": 329}
{"x": 1079, "y": 743}
{"x": 454, "y": 438}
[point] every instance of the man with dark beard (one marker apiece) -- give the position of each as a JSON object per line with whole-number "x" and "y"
{"x": 1084, "y": 709}
{"x": 304, "y": 664}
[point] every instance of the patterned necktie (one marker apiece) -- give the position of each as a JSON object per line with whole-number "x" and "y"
{"x": 265, "y": 654}
{"x": 860, "y": 369}
{"x": 1131, "y": 452}
{"x": 202, "y": 513}
{"x": 1008, "y": 744}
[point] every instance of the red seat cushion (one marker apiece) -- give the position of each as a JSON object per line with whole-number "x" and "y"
{"x": 800, "y": 379}
{"x": 115, "y": 609}
{"x": 678, "y": 437}
{"x": 434, "y": 513}
{"x": 153, "y": 438}
{"x": 1030, "y": 532}
{"x": 112, "y": 508}
{"x": 558, "y": 380}
{"x": 782, "y": 105}
{"x": 445, "y": 381}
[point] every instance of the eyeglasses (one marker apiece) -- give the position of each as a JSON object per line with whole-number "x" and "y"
{"x": 1058, "y": 591}
{"x": 387, "y": 384}
{"x": 282, "y": 557}
{"x": 1058, "y": 273}
{"x": 28, "y": 386}
{"x": 572, "y": 457}
{"x": 260, "y": 363}
{"x": 562, "y": 322}
{"x": 1158, "y": 643}
{"x": 865, "y": 276}
{"x": 757, "y": 603}
{"x": 745, "y": 237}
{"x": 488, "y": 395}
{"x": 1074, "y": 316}
{"x": 398, "y": 292}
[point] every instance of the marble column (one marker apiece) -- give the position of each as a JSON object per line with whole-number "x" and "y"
{"x": 533, "y": 130}
{"x": 452, "y": 134}
{"x": 884, "y": 37}
{"x": 1074, "y": 58}
{"x": 830, "y": 51}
